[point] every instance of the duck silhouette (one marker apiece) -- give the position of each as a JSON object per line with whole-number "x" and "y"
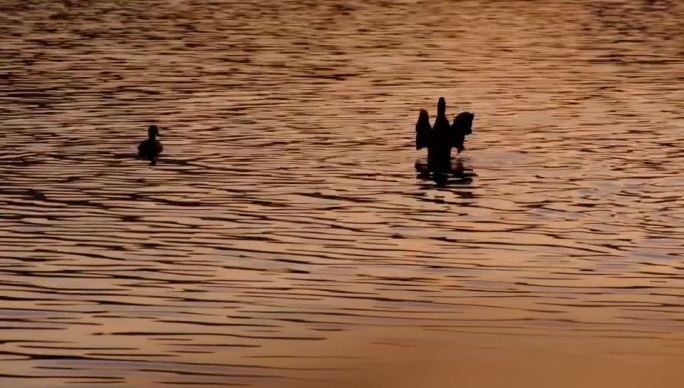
{"x": 442, "y": 136}
{"x": 151, "y": 148}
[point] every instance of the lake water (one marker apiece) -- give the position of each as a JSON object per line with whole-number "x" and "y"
{"x": 284, "y": 239}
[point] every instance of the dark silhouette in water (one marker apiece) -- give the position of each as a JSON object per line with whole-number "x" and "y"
{"x": 423, "y": 130}
{"x": 439, "y": 149}
{"x": 442, "y": 136}
{"x": 439, "y": 140}
{"x": 151, "y": 148}
{"x": 452, "y": 173}
{"x": 462, "y": 126}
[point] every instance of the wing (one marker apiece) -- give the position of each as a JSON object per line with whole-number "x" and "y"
{"x": 456, "y": 137}
{"x": 158, "y": 148}
{"x": 422, "y": 136}
{"x": 461, "y": 127}
{"x": 141, "y": 149}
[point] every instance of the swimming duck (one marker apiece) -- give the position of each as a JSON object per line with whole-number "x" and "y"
{"x": 151, "y": 148}
{"x": 441, "y": 137}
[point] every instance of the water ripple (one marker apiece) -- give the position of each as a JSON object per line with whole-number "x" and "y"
{"x": 285, "y": 225}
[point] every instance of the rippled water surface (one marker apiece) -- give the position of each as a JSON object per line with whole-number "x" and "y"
{"x": 284, "y": 237}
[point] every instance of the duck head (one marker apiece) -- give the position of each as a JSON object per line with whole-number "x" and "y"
{"x": 441, "y": 107}
{"x": 152, "y": 132}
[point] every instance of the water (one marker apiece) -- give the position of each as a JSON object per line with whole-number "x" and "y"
{"x": 284, "y": 237}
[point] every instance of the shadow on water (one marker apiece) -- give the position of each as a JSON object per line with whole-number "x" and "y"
{"x": 452, "y": 173}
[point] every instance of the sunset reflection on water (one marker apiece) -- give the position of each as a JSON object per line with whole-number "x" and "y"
{"x": 285, "y": 239}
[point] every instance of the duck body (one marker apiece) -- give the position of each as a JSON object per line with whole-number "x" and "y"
{"x": 151, "y": 148}
{"x": 439, "y": 149}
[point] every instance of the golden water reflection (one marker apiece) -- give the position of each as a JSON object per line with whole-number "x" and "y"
{"x": 284, "y": 238}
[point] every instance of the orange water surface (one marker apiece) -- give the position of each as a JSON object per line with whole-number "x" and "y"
{"x": 284, "y": 238}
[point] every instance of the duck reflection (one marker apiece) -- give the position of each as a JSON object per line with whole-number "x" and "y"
{"x": 446, "y": 172}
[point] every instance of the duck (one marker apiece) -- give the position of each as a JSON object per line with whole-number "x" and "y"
{"x": 439, "y": 149}
{"x": 442, "y": 136}
{"x": 151, "y": 148}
